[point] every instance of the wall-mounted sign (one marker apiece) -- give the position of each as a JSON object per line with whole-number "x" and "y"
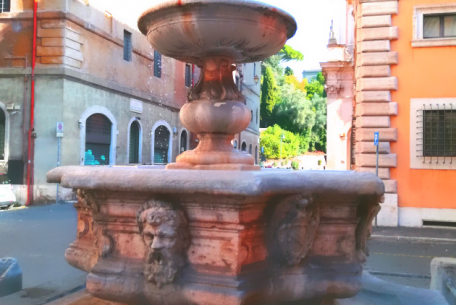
{"x": 59, "y": 130}
{"x": 136, "y": 106}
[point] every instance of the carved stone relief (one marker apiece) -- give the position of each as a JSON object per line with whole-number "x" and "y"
{"x": 85, "y": 198}
{"x": 163, "y": 227}
{"x": 293, "y": 227}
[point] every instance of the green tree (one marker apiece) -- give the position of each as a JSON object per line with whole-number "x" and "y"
{"x": 274, "y": 62}
{"x": 288, "y": 53}
{"x": 289, "y": 71}
{"x": 318, "y": 136}
{"x": 269, "y": 97}
{"x": 294, "y": 113}
{"x": 270, "y": 140}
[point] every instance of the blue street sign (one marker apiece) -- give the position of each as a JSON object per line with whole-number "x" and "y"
{"x": 376, "y": 137}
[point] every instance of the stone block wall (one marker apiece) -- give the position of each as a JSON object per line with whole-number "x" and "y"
{"x": 374, "y": 107}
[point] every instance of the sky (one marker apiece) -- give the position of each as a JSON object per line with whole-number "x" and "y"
{"x": 313, "y": 18}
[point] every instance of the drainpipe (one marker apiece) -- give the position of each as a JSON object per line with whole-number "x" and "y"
{"x": 31, "y": 140}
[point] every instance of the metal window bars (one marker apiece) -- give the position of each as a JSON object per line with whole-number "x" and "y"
{"x": 436, "y": 135}
{"x": 5, "y": 6}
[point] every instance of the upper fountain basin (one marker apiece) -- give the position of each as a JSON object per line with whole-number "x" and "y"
{"x": 243, "y": 30}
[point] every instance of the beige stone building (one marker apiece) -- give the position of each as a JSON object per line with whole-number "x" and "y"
{"x": 117, "y": 98}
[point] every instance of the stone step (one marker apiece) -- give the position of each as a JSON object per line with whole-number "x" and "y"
{"x": 370, "y": 148}
{"x": 373, "y": 71}
{"x": 379, "y": 8}
{"x": 383, "y": 173}
{"x": 374, "y": 21}
{"x": 376, "y": 84}
{"x": 377, "y": 59}
{"x": 367, "y": 134}
{"x": 388, "y": 33}
{"x": 373, "y": 97}
{"x": 373, "y": 121}
{"x": 370, "y": 160}
{"x": 376, "y": 109}
{"x": 373, "y": 46}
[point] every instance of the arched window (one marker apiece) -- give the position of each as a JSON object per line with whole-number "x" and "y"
{"x": 134, "y": 143}
{"x": 244, "y": 147}
{"x": 235, "y": 144}
{"x": 250, "y": 149}
{"x": 251, "y": 115}
{"x": 98, "y": 140}
{"x": 257, "y": 116}
{"x": 183, "y": 141}
{"x": 2, "y": 134}
{"x": 256, "y": 154}
{"x": 161, "y": 145}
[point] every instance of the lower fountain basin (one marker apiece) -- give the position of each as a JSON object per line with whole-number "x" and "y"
{"x": 149, "y": 236}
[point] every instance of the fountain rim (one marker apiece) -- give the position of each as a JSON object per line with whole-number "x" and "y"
{"x": 247, "y": 4}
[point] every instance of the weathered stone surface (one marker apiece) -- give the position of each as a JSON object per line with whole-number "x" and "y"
{"x": 72, "y": 62}
{"x": 390, "y": 186}
{"x": 377, "y": 59}
{"x": 373, "y": 97}
{"x": 221, "y": 257}
{"x": 50, "y": 51}
{"x": 71, "y": 53}
{"x": 376, "y": 84}
{"x": 367, "y": 134}
{"x": 73, "y": 44}
{"x": 379, "y": 8}
{"x": 51, "y": 32}
{"x": 383, "y": 173}
{"x": 52, "y": 60}
{"x": 375, "y": 21}
{"x": 376, "y": 109}
{"x": 53, "y": 42}
{"x": 372, "y": 121}
{"x": 374, "y": 46}
{"x": 384, "y": 160}
{"x": 389, "y": 214}
{"x": 53, "y": 24}
{"x": 373, "y": 71}
{"x": 388, "y": 33}
{"x": 443, "y": 270}
{"x": 370, "y": 148}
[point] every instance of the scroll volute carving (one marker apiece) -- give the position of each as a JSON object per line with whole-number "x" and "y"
{"x": 293, "y": 228}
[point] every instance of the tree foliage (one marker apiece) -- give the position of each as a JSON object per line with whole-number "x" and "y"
{"x": 270, "y": 140}
{"x": 289, "y": 71}
{"x": 288, "y": 53}
{"x": 269, "y": 96}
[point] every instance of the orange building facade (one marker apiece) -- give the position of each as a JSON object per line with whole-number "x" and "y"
{"x": 401, "y": 56}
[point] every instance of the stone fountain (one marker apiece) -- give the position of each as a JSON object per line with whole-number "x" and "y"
{"x": 212, "y": 228}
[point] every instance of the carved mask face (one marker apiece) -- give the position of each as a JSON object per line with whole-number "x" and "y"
{"x": 165, "y": 239}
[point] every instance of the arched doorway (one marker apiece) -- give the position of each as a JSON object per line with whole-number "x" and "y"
{"x": 2, "y": 135}
{"x": 97, "y": 140}
{"x": 161, "y": 145}
{"x": 244, "y": 147}
{"x": 183, "y": 141}
{"x": 256, "y": 154}
{"x": 134, "y": 149}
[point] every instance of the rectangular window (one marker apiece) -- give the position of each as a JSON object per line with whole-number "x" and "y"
{"x": 439, "y": 26}
{"x": 127, "y": 46}
{"x": 188, "y": 75}
{"x": 5, "y": 6}
{"x": 254, "y": 70}
{"x": 157, "y": 64}
{"x": 439, "y": 133}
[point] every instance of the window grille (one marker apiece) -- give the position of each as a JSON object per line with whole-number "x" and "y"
{"x": 134, "y": 143}
{"x": 437, "y": 134}
{"x": 157, "y": 64}
{"x": 127, "y": 46}
{"x": 439, "y": 26}
{"x": 161, "y": 145}
{"x": 98, "y": 140}
{"x": 5, "y": 6}
{"x": 188, "y": 75}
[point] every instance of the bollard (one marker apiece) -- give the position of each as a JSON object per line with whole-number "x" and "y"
{"x": 10, "y": 276}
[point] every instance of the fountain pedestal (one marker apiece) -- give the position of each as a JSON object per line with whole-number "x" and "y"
{"x": 220, "y": 237}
